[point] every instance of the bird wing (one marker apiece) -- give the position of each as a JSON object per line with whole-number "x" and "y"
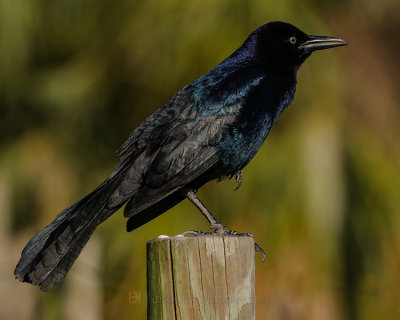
{"x": 177, "y": 143}
{"x": 187, "y": 149}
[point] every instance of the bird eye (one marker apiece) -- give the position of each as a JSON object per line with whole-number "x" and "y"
{"x": 292, "y": 40}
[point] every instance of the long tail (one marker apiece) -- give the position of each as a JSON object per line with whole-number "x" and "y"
{"x": 47, "y": 258}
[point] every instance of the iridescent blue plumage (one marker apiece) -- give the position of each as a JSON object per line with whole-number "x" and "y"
{"x": 209, "y": 130}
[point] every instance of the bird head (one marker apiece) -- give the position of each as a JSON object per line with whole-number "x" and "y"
{"x": 282, "y": 45}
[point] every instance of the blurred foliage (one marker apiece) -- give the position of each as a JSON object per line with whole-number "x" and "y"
{"x": 322, "y": 196}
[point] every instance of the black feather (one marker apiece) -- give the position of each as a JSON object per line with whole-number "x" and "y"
{"x": 209, "y": 130}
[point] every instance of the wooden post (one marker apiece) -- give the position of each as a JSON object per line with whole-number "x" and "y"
{"x": 205, "y": 277}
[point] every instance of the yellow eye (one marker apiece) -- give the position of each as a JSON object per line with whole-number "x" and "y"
{"x": 292, "y": 40}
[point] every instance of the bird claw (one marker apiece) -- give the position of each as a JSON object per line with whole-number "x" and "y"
{"x": 221, "y": 231}
{"x": 238, "y": 178}
{"x": 259, "y": 249}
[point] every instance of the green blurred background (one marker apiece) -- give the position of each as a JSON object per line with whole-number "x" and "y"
{"x": 321, "y": 197}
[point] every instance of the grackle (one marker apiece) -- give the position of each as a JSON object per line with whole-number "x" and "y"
{"x": 210, "y": 129}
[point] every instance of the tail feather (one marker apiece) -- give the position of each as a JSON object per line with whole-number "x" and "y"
{"x": 47, "y": 258}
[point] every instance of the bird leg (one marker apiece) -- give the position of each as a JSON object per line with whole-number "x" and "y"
{"x": 238, "y": 177}
{"x": 217, "y": 227}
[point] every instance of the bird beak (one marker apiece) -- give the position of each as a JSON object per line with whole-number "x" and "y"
{"x": 321, "y": 42}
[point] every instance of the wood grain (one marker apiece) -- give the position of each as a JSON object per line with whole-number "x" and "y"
{"x": 205, "y": 277}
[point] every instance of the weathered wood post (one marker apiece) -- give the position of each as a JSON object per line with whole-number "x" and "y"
{"x": 205, "y": 277}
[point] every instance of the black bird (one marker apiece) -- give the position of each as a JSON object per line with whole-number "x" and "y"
{"x": 210, "y": 129}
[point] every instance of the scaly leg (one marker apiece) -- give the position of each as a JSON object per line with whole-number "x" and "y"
{"x": 216, "y": 226}
{"x": 238, "y": 178}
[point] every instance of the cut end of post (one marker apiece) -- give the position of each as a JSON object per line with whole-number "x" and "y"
{"x": 202, "y": 277}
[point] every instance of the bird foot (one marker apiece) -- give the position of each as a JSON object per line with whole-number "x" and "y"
{"x": 217, "y": 230}
{"x": 220, "y": 230}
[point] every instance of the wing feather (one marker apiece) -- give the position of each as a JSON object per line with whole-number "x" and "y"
{"x": 179, "y": 140}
